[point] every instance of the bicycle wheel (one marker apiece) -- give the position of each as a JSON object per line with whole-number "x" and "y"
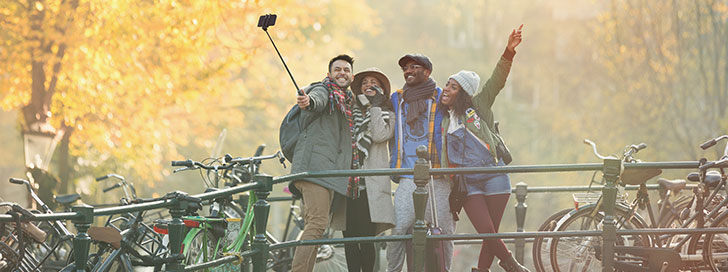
{"x": 584, "y": 253}
{"x": 540, "y": 248}
{"x": 232, "y": 210}
{"x": 715, "y": 248}
{"x": 201, "y": 247}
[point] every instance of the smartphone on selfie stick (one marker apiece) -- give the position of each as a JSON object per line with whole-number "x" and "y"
{"x": 270, "y": 20}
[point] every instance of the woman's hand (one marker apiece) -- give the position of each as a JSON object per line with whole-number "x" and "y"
{"x": 514, "y": 39}
{"x": 378, "y": 98}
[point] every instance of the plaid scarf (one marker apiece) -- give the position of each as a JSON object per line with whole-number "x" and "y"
{"x": 342, "y": 101}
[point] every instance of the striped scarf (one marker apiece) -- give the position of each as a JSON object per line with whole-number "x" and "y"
{"x": 363, "y": 134}
{"x": 342, "y": 101}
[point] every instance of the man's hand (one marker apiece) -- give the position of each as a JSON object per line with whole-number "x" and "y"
{"x": 514, "y": 39}
{"x": 303, "y": 101}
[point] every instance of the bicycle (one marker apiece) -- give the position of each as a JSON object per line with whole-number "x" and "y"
{"x": 129, "y": 240}
{"x": 638, "y": 252}
{"x": 17, "y": 239}
{"x": 225, "y": 230}
{"x": 585, "y": 204}
{"x": 119, "y": 251}
{"x": 54, "y": 251}
{"x": 589, "y": 217}
{"x": 715, "y": 252}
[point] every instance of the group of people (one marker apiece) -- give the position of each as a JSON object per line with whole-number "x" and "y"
{"x": 357, "y": 122}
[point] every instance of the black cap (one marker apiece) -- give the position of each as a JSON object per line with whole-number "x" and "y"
{"x": 418, "y": 58}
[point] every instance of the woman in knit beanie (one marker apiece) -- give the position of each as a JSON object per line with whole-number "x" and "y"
{"x": 469, "y": 140}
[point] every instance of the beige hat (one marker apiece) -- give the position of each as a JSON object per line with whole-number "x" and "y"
{"x": 376, "y": 73}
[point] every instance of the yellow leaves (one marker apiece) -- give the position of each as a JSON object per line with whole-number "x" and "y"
{"x": 38, "y": 6}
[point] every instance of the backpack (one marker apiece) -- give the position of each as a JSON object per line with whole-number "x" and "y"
{"x": 291, "y": 128}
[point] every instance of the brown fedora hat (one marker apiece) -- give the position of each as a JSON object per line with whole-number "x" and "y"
{"x": 376, "y": 73}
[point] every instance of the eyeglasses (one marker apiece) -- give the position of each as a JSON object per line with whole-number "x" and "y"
{"x": 411, "y": 66}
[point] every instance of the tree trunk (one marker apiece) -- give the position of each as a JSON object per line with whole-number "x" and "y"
{"x": 64, "y": 162}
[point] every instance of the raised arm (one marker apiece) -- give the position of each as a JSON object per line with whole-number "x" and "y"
{"x": 497, "y": 80}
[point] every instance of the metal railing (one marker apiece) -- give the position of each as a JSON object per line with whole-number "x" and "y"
{"x": 82, "y": 216}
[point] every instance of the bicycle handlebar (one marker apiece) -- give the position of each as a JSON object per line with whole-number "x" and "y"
{"x": 187, "y": 163}
{"x": 19, "y": 209}
{"x": 710, "y": 143}
{"x": 171, "y": 195}
{"x": 714, "y": 164}
{"x": 256, "y": 158}
{"x": 228, "y": 161}
{"x": 639, "y": 147}
{"x": 112, "y": 187}
{"x": 18, "y": 181}
{"x": 594, "y": 147}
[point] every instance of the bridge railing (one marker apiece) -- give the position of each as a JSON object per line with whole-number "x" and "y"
{"x": 83, "y": 215}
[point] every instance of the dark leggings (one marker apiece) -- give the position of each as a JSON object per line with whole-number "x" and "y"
{"x": 359, "y": 257}
{"x": 485, "y": 212}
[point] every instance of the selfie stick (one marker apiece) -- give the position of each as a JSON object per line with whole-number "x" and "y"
{"x": 269, "y": 20}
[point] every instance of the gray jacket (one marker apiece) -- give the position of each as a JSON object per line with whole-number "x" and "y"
{"x": 379, "y": 188}
{"x": 325, "y": 144}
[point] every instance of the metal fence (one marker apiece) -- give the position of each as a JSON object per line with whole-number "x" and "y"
{"x": 82, "y": 216}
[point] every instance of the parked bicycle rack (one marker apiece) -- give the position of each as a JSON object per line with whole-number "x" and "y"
{"x": 82, "y": 216}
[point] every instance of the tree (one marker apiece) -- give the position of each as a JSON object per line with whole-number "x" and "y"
{"x": 136, "y": 81}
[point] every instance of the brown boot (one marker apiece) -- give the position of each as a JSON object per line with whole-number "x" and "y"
{"x": 511, "y": 265}
{"x": 479, "y": 270}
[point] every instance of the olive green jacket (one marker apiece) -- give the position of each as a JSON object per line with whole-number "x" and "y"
{"x": 325, "y": 144}
{"x": 483, "y": 102}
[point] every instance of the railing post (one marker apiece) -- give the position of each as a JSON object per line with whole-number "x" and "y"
{"x": 419, "y": 197}
{"x": 521, "y": 207}
{"x": 261, "y": 208}
{"x": 612, "y": 169}
{"x": 176, "y": 233}
{"x": 82, "y": 241}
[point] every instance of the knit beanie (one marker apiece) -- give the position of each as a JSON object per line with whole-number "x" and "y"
{"x": 468, "y": 80}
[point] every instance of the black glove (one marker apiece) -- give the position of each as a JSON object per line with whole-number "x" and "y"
{"x": 378, "y": 98}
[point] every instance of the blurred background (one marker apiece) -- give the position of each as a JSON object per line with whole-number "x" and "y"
{"x": 125, "y": 86}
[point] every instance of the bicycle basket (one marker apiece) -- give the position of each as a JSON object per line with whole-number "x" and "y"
{"x": 593, "y": 197}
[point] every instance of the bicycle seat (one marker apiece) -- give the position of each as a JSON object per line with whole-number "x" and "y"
{"x": 638, "y": 176}
{"x": 673, "y": 185}
{"x": 67, "y": 199}
{"x": 694, "y": 176}
{"x": 712, "y": 179}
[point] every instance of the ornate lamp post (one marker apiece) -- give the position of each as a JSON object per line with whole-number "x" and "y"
{"x": 39, "y": 142}
{"x": 39, "y": 147}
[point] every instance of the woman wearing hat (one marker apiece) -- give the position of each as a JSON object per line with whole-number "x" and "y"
{"x": 370, "y": 212}
{"x": 470, "y": 141}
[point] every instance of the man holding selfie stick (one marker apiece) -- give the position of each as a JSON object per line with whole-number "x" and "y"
{"x": 325, "y": 143}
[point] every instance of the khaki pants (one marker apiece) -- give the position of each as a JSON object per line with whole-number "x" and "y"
{"x": 316, "y": 205}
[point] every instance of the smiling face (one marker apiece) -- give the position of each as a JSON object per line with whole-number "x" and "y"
{"x": 367, "y": 83}
{"x": 450, "y": 93}
{"x": 341, "y": 73}
{"x": 414, "y": 74}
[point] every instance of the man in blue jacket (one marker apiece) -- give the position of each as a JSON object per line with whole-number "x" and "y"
{"x": 418, "y": 123}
